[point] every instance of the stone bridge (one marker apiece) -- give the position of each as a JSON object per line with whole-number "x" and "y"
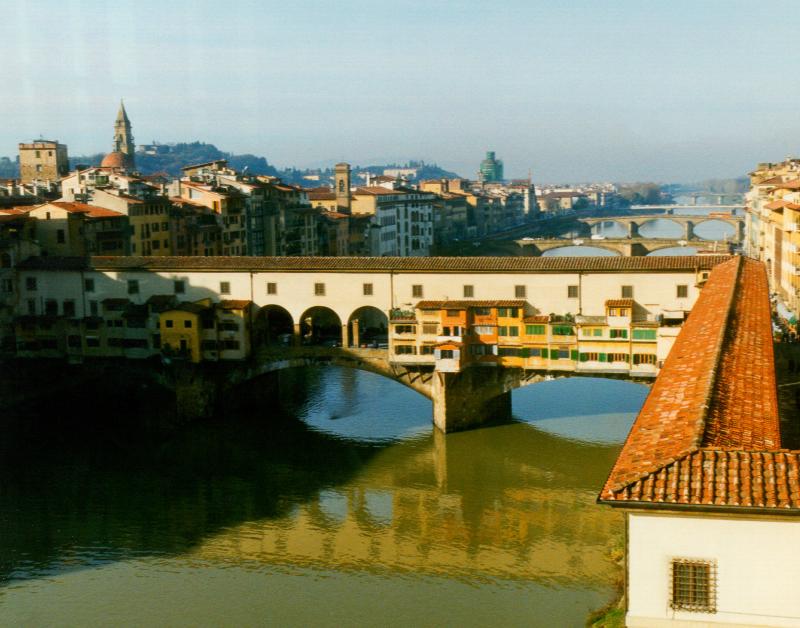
{"x": 627, "y": 247}
{"x": 634, "y": 223}
{"x": 460, "y": 400}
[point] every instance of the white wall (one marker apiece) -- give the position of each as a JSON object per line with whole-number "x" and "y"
{"x": 547, "y": 292}
{"x": 758, "y": 568}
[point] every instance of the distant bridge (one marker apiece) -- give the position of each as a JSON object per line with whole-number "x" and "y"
{"x": 634, "y": 223}
{"x": 627, "y": 247}
{"x": 669, "y": 208}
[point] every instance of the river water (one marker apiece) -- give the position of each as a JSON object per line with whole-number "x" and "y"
{"x": 344, "y": 508}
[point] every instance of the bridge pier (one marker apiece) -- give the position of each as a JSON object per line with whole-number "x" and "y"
{"x": 468, "y": 399}
{"x": 633, "y": 230}
{"x": 688, "y": 230}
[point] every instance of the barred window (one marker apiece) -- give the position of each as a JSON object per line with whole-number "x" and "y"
{"x": 416, "y": 291}
{"x": 367, "y": 289}
{"x": 519, "y": 292}
{"x": 694, "y": 585}
{"x": 272, "y": 287}
{"x": 627, "y": 292}
{"x": 469, "y": 291}
{"x": 319, "y": 289}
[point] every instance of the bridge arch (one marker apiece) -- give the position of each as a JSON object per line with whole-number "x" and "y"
{"x": 367, "y": 326}
{"x": 680, "y": 227}
{"x": 595, "y": 244}
{"x": 273, "y": 325}
{"x": 320, "y": 325}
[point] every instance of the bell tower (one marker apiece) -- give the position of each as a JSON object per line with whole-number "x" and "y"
{"x": 342, "y": 182}
{"x": 123, "y": 138}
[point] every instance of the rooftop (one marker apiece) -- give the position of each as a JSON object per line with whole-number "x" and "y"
{"x": 708, "y": 434}
{"x": 464, "y": 304}
{"x": 380, "y": 264}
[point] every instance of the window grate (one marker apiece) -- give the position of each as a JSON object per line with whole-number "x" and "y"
{"x": 694, "y": 585}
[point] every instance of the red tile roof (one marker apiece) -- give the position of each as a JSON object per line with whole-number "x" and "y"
{"x": 233, "y": 304}
{"x": 463, "y": 305}
{"x": 93, "y": 211}
{"x": 619, "y": 303}
{"x": 383, "y": 264}
{"x": 708, "y": 433}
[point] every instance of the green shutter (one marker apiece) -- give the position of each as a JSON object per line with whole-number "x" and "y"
{"x": 525, "y": 353}
{"x": 584, "y": 357}
{"x": 598, "y": 332}
{"x": 602, "y": 357}
{"x": 574, "y": 354}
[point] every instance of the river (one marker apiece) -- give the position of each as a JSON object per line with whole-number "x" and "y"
{"x": 345, "y": 508}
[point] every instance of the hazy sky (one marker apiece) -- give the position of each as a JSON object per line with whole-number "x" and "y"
{"x": 595, "y": 90}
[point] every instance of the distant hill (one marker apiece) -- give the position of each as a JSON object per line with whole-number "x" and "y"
{"x": 174, "y": 157}
{"x": 170, "y": 158}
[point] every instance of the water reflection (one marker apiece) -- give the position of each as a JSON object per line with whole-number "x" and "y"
{"x": 265, "y": 502}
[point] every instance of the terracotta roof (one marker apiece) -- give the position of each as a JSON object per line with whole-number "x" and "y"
{"x": 538, "y": 319}
{"x": 375, "y": 190}
{"x": 730, "y": 478}
{"x": 93, "y": 211}
{"x": 382, "y": 264}
{"x": 233, "y": 304}
{"x": 790, "y": 185}
{"x": 708, "y": 433}
{"x": 619, "y": 303}
{"x": 463, "y": 305}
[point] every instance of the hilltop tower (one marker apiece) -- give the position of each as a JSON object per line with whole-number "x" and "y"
{"x": 122, "y": 155}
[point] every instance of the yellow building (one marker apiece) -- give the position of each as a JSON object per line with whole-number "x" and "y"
{"x": 181, "y": 330}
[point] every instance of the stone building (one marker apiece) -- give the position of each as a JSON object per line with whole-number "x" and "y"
{"x": 42, "y": 160}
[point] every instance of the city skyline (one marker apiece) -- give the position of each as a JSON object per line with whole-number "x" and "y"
{"x": 628, "y": 92}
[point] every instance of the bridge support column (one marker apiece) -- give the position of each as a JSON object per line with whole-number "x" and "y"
{"x": 356, "y": 339}
{"x": 688, "y": 230}
{"x": 633, "y": 230}
{"x": 344, "y": 335}
{"x": 468, "y": 399}
{"x": 297, "y": 335}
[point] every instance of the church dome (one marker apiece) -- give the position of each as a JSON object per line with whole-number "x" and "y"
{"x": 115, "y": 160}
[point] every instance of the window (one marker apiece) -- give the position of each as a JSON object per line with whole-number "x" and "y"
{"x": 170, "y": 323}
{"x": 644, "y": 358}
{"x": 590, "y": 357}
{"x": 627, "y": 292}
{"x": 511, "y": 312}
{"x": 512, "y": 330}
{"x": 179, "y": 286}
{"x": 367, "y": 289}
{"x": 93, "y": 308}
{"x": 416, "y": 291}
{"x": 187, "y": 324}
{"x": 404, "y": 329}
{"x": 69, "y": 308}
{"x": 224, "y": 287}
{"x": 427, "y": 350}
{"x": 572, "y": 292}
{"x": 482, "y": 311}
{"x": 133, "y": 286}
{"x": 618, "y": 333}
{"x": 60, "y": 237}
{"x": 519, "y": 292}
{"x": 481, "y": 350}
{"x": 563, "y": 330}
{"x": 683, "y": 292}
{"x": 694, "y": 585}
{"x": 430, "y": 328}
{"x": 618, "y": 357}
{"x": 446, "y": 354}
{"x": 319, "y": 289}
{"x": 644, "y": 334}
{"x": 30, "y": 283}
{"x": 88, "y": 285}
{"x": 51, "y": 307}
{"x": 534, "y": 330}
{"x": 405, "y": 349}
{"x": 509, "y": 352}
{"x": 469, "y": 291}
{"x": 7, "y": 285}
{"x": 483, "y": 330}
{"x": 272, "y": 287}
